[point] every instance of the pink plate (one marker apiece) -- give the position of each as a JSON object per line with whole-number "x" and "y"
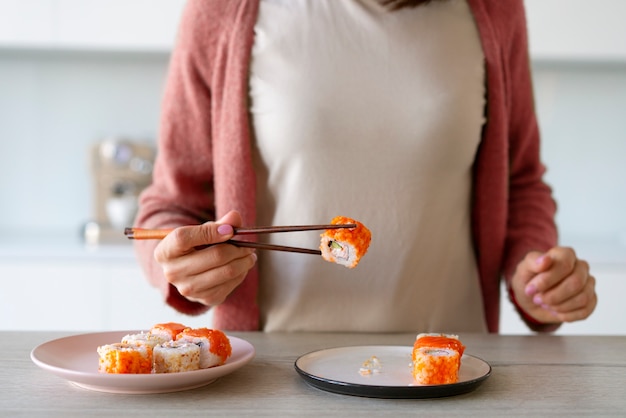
{"x": 75, "y": 359}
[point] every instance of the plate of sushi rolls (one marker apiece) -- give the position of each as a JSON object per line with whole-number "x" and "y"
{"x": 169, "y": 357}
{"x": 435, "y": 366}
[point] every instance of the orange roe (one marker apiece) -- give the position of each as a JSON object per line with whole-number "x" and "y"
{"x": 440, "y": 342}
{"x": 435, "y": 370}
{"x": 173, "y": 328}
{"x": 219, "y": 344}
{"x": 122, "y": 359}
{"x": 360, "y": 236}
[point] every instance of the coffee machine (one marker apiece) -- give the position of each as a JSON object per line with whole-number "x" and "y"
{"x": 120, "y": 169}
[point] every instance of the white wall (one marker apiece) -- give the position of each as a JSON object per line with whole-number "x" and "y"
{"x": 53, "y": 105}
{"x": 577, "y": 29}
{"x": 582, "y": 114}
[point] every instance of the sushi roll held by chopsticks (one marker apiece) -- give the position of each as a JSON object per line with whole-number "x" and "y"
{"x": 345, "y": 246}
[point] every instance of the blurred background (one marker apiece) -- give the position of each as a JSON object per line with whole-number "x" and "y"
{"x": 80, "y": 91}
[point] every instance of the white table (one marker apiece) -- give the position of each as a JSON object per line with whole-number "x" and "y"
{"x": 537, "y": 375}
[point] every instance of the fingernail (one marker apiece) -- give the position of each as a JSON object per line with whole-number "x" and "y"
{"x": 537, "y": 300}
{"x": 225, "y": 229}
{"x": 549, "y": 309}
{"x": 540, "y": 259}
{"x": 530, "y": 290}
{"x": 255, "y": 257}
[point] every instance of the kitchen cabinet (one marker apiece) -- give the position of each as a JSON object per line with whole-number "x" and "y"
{"x": 119, "y": 25}
{"x": 48, "y": 296}
{"x": 69, "y": 294}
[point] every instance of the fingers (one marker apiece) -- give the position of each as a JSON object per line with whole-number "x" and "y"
{"x": 212, "y": 287}
{"x": 186, "y": 239}
{"x": 200, "y": 261}
{"x": 546, "y": 270}
{"x": 572, "y": 299}
{"x": 195, "y": 261}
{"x": 555, "y": 286}
{"x": 209, "y": 275}
{"x": 565, "y": 284}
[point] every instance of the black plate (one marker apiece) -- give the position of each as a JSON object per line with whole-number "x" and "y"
{"x": 337, "y": 370}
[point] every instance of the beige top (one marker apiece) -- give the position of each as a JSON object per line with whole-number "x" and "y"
{"x": 377, "y": 116}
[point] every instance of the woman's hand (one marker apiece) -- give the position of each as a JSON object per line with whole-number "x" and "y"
{"x": 202, "y": 269}
{"x": 555, "y": 286}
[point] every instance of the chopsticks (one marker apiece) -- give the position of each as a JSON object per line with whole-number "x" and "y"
{"x": 263, "y": 246}
{"x": 144, "y": 234}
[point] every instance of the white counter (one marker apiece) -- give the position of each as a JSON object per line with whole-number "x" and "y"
{"x": 60, "y": 245}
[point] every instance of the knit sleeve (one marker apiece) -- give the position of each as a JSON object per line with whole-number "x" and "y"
{"x": 530, "y": 224}
{"x": 181, "y": 192}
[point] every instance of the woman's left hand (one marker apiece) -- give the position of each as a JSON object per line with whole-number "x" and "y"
{"x": 555, "y": 286}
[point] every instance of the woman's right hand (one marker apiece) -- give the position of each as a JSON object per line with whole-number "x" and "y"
{"x": 202, "y": 269}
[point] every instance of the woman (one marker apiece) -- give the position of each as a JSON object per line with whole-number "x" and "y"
{"x": 417, "y": 121}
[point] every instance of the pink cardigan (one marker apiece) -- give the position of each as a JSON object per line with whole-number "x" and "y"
{"x": 204, "y": 166}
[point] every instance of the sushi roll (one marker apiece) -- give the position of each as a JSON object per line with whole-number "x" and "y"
{"x": 176, "y": 356}
{"x": 436, "y": 359}
{"x": 168, "y": 330}
{"x": 145, "y": 338}
{"x": 345, "y": 246}
{"x": 214, "y": 345}
{"x": 122, "y": 358}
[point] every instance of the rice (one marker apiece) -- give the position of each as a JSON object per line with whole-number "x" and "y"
{"x": 123, "y": 358}
{"x": 144, "y": 338}
{"x": 176, "y": 356}
{"x": 168, "y": 330}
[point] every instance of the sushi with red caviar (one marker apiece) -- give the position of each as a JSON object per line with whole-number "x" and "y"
{"x": 437, "y": 359}
{"x": 345, "y": 246}
{"x": 214, "y": 345}
{"x": 120, "y": 358}
{"x": 168, "y": 330}
{"x": 167, "y": 348}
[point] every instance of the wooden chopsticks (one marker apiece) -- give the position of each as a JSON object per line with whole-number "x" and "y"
{"x": 143, "y": 234}
{"x": 273, "y": 247}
